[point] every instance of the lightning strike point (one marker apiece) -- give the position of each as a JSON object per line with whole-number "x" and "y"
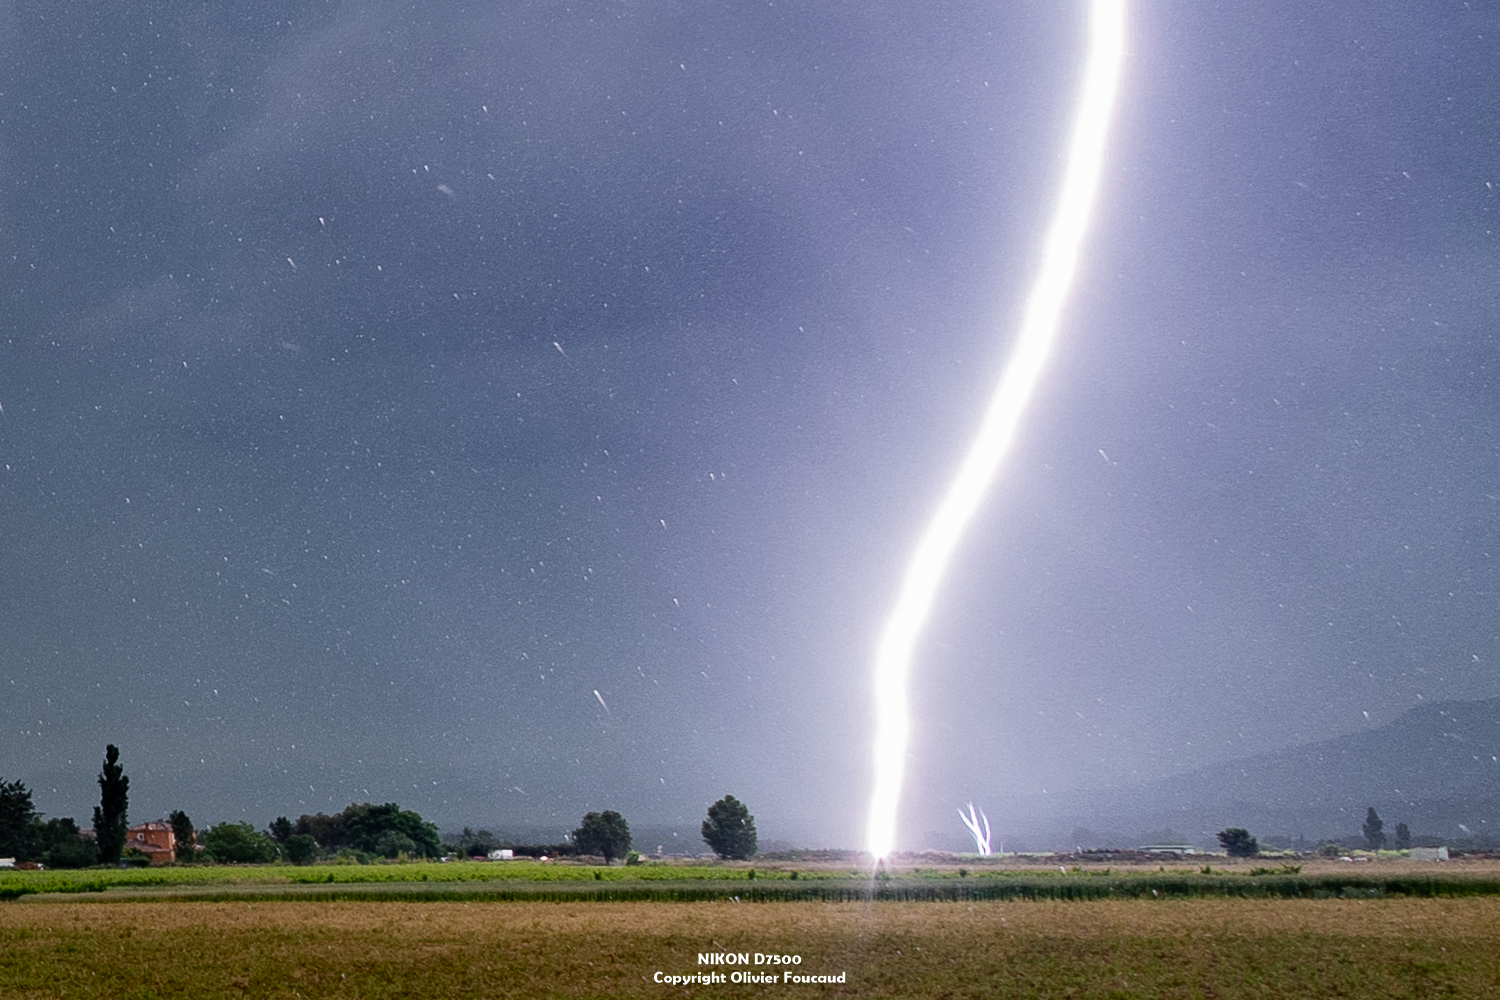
{"x": 935, "y": 548}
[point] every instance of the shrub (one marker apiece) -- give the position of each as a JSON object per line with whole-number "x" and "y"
{"x": 76, "y": 853}
{"x": 394, "y": 844}
{"x": 300, "y": 849}
{"x": 239, "y": 843}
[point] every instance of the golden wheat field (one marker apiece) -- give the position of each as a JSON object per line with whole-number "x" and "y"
{"x": 1130, "y": 948}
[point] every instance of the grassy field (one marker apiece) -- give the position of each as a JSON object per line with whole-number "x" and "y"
{"x": 1124, "y": 948}
{"x": 16, "y": 883}
{"x": 530, "y": 881}
{"x": 523, "y": 929}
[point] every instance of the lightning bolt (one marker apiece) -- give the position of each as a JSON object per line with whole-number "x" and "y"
{"x": 981, "y": 840}
{"x": 934, "y": 551}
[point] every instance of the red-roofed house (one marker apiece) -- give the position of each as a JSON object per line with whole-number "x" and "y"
{"x": 155, "y": 840}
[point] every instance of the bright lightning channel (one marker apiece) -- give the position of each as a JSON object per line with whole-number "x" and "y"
{"x": 935, "y": 548}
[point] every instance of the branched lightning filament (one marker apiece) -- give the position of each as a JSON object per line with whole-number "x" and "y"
{"x": 934, "y": 551}
{"x": 981, "y": 840}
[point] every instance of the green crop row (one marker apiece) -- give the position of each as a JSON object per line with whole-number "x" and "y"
{"x": 618, "y": 885}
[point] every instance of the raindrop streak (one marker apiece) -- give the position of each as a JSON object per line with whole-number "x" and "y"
{"x": 1038, "y": 327}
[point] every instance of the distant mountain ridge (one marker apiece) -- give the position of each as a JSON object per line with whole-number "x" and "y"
{"x": 1434, "y": 767}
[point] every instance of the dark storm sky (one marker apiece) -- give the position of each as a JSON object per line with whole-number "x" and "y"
{"x": 382, "y": 380}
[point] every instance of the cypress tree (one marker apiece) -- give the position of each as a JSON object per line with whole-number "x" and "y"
{"x": 183, "y": 834}
{"x": 109, "y": 815}
{"x": 1374, "y": 830}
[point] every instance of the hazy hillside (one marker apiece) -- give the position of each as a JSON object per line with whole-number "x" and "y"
{"x": 1434, "y": 768}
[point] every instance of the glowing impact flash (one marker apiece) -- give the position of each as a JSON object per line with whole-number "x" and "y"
{"x": 1038, "y": 328}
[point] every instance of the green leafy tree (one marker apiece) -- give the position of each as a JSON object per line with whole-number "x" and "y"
{"x": 1238, "y": 843}
{"x": 366, "y": 825}
{"x": 110, "y": 824}
{"x": 238, "y": 844}
{"x": 1374, "y": 830}
{"x": 605, "y": 833}
{"x": 393, "y": 844}
{"x": 300, "y": 849}
{"x": 1403, "y": 837}
{"x": 184, "y": 836}
{"x": 729, "y": 830}
{"x": 17, "y": 817}
{"x": 281, "y": 829}
{"x": 330, "y": 832}
{"x": 60, "y": 844}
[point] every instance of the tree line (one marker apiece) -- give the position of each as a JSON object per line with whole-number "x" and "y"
{"x": 362, "y": 832}
{"x": 58, "y": 842}
{"x": 1239, "y": 843}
